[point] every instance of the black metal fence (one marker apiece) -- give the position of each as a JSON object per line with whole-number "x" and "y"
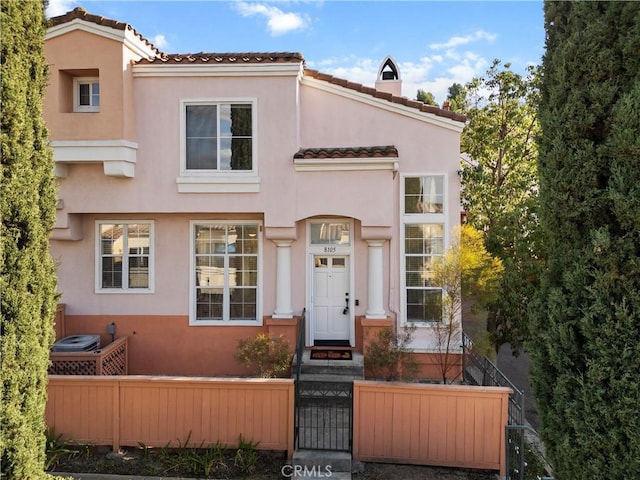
{"x": 523, "y": 459}
{"x": 324, "y": 415}
{"x": 479, "y": 370}
{"x": 323, "y": 410}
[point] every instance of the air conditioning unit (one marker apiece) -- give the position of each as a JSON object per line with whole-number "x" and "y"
{"x": 77, "y": 343}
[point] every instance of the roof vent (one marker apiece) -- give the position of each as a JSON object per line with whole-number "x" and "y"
{"x": 389, "y": 77}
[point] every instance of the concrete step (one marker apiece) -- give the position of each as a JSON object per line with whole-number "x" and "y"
{"x": 349, "y": 368}
{"x": 335, "y": 378}
{"x": 322, "y": 462}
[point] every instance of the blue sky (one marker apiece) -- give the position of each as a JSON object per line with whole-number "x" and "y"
{"x": 434, "y": 43}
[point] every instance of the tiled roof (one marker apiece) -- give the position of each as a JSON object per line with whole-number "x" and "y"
{"x": 347, "y": 152}
{"x": 358, "y": 87}
{"x": 229, "y": 58}
{"x": 81, "y": 14}
{"x": 251, "y": 57}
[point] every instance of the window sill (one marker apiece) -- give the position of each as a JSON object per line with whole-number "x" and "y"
{"x": 224, "y": 323}
{"x": 218, "y": 184}
{"x": 128, "y": 291}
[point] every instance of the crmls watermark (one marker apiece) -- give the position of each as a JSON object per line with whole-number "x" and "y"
{"x": 305, "y": 471}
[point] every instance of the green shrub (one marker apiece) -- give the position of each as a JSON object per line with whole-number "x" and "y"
{"x": 267, "y": 356}
{"x": 389, "y": 357}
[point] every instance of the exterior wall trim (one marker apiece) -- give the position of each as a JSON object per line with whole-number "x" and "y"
{"x": 342, "y": 164}
{"x": 117, "y": 156}
{"x": 217, "y": 70}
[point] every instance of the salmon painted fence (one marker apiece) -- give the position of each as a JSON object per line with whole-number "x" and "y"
{"x": 444, "y": 425}
{"x": 405, "y": 423}
{"x": 160, "y": 411}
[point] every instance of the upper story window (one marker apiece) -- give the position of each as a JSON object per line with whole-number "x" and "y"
{"x": 219, "y": 137}
{"x": 86, "y": 94}
{"x": 124, "y": 260}
{"x": 424, "y": 194}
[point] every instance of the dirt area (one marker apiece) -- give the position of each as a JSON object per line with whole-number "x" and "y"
{"x": 268, "y": 465}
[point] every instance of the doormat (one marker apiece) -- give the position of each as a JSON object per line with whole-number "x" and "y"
{"x": 331, "y": 354}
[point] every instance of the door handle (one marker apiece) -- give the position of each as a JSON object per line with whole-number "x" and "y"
{"x": 346, "y": 308}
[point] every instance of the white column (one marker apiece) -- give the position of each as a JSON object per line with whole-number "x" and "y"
{"x": 283, "y": 279}
{"x": 375, "y": 308}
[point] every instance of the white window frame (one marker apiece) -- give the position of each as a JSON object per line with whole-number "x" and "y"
{"x": 77, "y": 81}
{"x": 193, "y": 321}
{"x": 223, "y": 181}
{"x": 419, "y": 219}
{"x": 125, "y": 289}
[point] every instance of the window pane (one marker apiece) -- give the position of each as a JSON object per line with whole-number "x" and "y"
{"x": 201, "y": 121}
{"x": 209, "y": 306}
{"x": 243, "y": 304}
{"x": 330, "y": 233}
{"x": 424, "y": 305}
{"x": 424, "y": 194}
{"x": 112, "y": 272}
{"x": 202, "y": 154}
{"x": 201, "y": 137}
{"x": 241, "y": 154}
{"x": 112, "y": 241}
{"x": 138, "y": 272}
{"x": 138, "y": 238}
{"x": 84, "y": 94}
{"x": 95, "y": 94}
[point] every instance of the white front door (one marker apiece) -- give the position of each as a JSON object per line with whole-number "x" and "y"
{"x": 331, "y": 314}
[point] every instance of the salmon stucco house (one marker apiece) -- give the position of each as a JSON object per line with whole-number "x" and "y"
{"x": 207, "y": 197}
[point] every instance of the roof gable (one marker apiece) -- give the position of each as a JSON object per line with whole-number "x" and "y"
{"x": 80, "y": 19}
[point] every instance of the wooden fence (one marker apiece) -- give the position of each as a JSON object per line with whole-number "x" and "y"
{"x": 159, "y": 411}
{"x": 444, "y": 425}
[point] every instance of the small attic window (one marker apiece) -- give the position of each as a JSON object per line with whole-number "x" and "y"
{"x": 79, "y": 90}
{"x": 86, "y": 94}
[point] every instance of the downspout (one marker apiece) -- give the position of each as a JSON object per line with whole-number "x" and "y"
{"x": 394, "y": 271}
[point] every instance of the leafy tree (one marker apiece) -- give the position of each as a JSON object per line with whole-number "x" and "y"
{"x": 466, "y": 270}
{"x": 456, "y": 97}
{"x": 27, "y": 206}
{"x": 426, "y": 97}
{"x": 585, "y": 354}
{"x": 500, "y": 189}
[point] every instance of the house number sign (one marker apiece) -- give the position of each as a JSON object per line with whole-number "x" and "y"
{"x": 330, "y": 249}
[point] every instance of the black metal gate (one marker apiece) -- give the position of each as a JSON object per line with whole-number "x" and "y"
{"x": 324, "y": 415}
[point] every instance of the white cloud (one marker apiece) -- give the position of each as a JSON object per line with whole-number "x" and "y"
{"x": 160, "y": 41}
{"x": 278, "y": 22}
{"x": 463, "y": 40}
{"x": 433, "y": 74}
{"x": 59, "y": 7}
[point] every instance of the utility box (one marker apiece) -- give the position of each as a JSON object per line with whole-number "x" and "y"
{"x": 77, "y": 343}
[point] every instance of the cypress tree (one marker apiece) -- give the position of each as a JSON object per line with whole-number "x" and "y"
{"x": 586, "y": 352}
{"x": 27, "y": 206}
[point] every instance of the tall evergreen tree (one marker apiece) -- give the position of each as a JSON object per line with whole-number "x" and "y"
{"x": 586, "y": 354}
{"x": 27, "y": 206}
